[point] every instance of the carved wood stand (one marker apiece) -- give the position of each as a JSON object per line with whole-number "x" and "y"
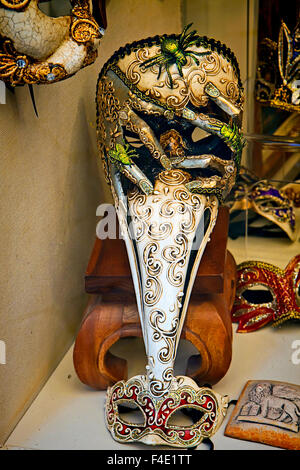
{"x": 112, "y": 313}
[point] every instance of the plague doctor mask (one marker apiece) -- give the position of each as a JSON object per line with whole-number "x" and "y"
{"x": 38, "y": 49}
{"x": 167, "y": 184}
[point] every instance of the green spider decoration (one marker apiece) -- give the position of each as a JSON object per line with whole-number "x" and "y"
{"x": 175, "y": 51}
{"x": 234, "y": 139}
{"x": 122, "y": 155}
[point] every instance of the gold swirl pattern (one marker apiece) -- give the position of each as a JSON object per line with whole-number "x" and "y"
{"x": 159, "y": 231}
{"x": 140, "y": 209}
{"x": 174, "y": 177}
{"x": 153, "y": 269}
{"x": 176, "y": 256}
{"x": 108, "y": 102}
{"x": 133, "y": 73}
{"x": 83, "y": 27}
{"x": 213, "y": 67}
{"x": 157, "y": 321}
{"x": 17, "y": 69}
{"x": 157, "y": 413}
{"x": 157, "y": 387}
{"x": 83, "y": 31}
{"x": 153, "y": 294}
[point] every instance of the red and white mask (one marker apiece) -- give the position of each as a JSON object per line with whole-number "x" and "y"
{"x": 278, "y": 291}
{"x": 157, "y": 427}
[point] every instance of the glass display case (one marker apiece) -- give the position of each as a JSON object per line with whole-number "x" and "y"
{"x": 145, "y": 80}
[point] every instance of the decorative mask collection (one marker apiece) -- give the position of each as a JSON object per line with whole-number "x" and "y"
{"x": 38, "y": 49}
{"x": 263, "y": 200}
{"x": 158, "y": 91}
{"x": 167, "y": 189}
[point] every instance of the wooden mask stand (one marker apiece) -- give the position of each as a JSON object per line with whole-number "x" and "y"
{"x": 112, "y": 313}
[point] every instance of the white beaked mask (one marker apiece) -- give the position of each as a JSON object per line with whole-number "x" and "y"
{"x": 151, "y": 96}
{"x": 38, "y": 49}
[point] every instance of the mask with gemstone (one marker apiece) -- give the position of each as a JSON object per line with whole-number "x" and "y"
{"x": 152, "y": 96}
{"x": 38, "y": 49}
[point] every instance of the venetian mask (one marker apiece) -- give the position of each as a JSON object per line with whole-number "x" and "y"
{"x": 38, "y": 49}
{"x": 167, "y": 184}
{"x": 278, "y": 72}
{"x": 266, "y": 294}
{"x": 263, "y": 200}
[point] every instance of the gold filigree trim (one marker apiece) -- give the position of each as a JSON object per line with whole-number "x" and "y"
{"x": 157, "y": 413}
{"x": 261, "y": 265}
{"x": 14, "y": 4}
{"x": 84, "y": 28}
{"x": 293, "y": 315}
{"x": 174, "y": 177}
{"x": 19, "y": 70}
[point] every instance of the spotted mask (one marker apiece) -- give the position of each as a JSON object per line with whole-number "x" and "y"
{"x": 38, "y": 49}
{"x": 153, "y": 96}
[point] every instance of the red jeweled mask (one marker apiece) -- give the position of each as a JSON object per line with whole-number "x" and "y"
{"x": 283, "y": 287}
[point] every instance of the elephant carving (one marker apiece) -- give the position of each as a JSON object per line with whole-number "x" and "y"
{"x": 271, "y": 409}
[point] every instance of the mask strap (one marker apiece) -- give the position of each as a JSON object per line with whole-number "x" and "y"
{"x": 99, "y": 12}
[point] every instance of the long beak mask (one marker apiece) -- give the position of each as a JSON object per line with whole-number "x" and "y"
{"x": 167, "y": 188}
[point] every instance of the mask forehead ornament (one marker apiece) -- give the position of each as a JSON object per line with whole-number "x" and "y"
{"x": 38, "y": 49}
{"x": 151, "y": 96}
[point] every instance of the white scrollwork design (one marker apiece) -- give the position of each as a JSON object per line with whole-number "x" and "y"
{"x": 165, "y": 224}
{"x": 157, "y": 413}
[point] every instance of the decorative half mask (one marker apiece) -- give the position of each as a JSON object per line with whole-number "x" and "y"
{"x": 156, "y": 428}
{"x": 38, "y": 49}
{"x": 265, "y": 200}
{"x": 278, "y": 72}
{"x": 283, "y": 294}
{"x": 151, "y": 97}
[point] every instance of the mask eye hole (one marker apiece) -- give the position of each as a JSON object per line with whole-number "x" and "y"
{"x": 258, "y": 295}
{"x": 56, "y": 8}
{"x": 130, "y": 413}
{"x": 185, "y": 417}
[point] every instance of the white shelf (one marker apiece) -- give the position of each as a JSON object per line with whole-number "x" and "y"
{"x": 69, "y": 415}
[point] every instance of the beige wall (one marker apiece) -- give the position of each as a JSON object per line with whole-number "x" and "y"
{"x": 50, "y": 189}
